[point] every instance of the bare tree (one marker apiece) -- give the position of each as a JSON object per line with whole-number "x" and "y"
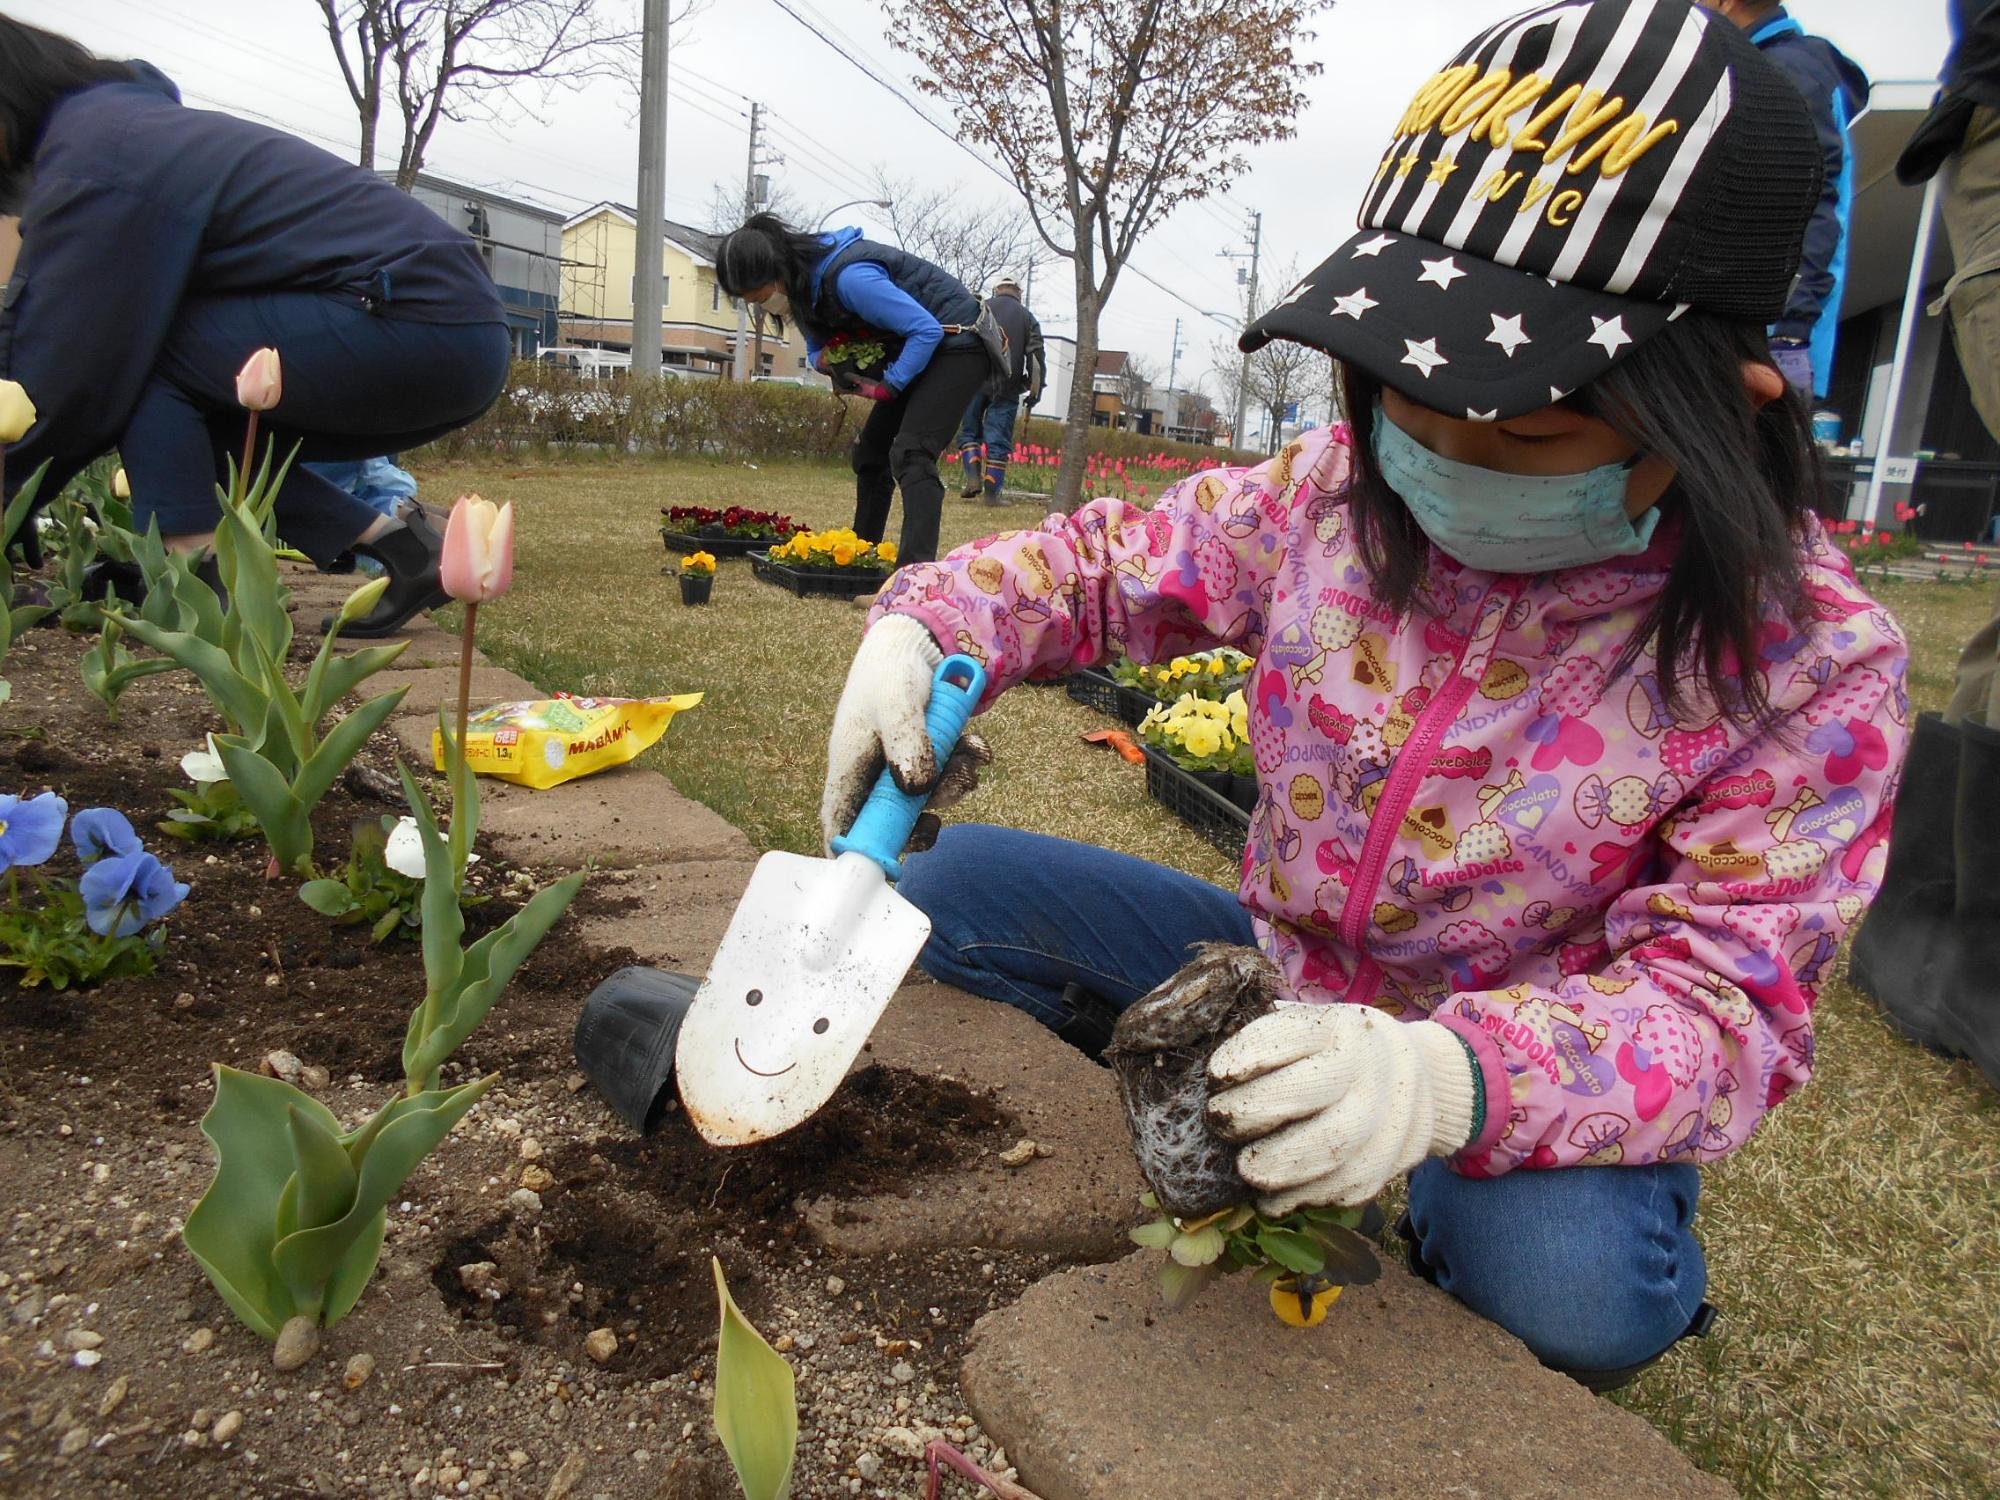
{"x": 1135, "y": 384}
{"x": 1281, "y": 374}
{"x": 976, "y": 242}
{"x": 436, "y": 60}
{"x": 1109, "y": 114}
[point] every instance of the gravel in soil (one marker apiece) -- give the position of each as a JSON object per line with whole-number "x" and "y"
{"x": 469, "y": 1366}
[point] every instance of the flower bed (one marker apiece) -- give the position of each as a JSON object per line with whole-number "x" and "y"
{"x": 540, "y": 1203}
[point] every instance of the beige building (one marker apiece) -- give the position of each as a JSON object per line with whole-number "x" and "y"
{"x": 599, "y": 247}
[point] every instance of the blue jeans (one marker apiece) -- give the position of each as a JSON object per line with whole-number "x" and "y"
{"x": 989, "y": 423}
{"x": 356, "y": 385}
{"x": 1594, "y": 1268}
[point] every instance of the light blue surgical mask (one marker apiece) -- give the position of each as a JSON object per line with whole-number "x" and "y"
{"x": 1512, "y": 523}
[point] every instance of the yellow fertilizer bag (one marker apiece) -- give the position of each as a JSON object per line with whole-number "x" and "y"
{"x": 553, "y": 740}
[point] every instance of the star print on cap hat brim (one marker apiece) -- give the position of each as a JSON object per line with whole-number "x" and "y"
{"x": 1456, "y": 333}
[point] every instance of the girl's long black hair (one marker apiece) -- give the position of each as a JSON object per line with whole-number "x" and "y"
{"x": 767, "y": 249}
{"x": 1746, "y": 480}
{"x": 37, "y": 68}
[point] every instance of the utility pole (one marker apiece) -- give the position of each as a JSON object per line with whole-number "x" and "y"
{"x": 648, "y": 272}
{"x": 1249, "y": 312}
{"x": 744, "y": 369}
{"x": 1173, "y": 367}
{"x": 1028, "y": 292}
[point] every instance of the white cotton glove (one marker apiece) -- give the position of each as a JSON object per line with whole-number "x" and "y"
{"x": 880, "y": 721}
{"x": 1336, "y": 1100}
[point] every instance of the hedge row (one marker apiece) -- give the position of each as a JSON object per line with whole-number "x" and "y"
{"x": 545, "y": 408}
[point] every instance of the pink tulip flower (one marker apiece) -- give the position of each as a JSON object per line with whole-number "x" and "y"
{"x": 260, "y": 384}
{"x": 478, "y": 564}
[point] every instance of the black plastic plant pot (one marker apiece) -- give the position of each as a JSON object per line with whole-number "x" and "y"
{"x": 1243, "y": 791}
{"x": 625, "y": 1040}
{"x": 1134, "y": 704}
{"x": 696, "y": 587}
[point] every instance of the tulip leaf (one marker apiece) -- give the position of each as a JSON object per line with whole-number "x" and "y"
{"x": 756, "y": 1409}
{"x": 287, "y": 828}
{"x": 343, "y": 675}
{"x": 233, "y": 1230}
{"x": 316, "y": 1257}
{"x": 342, "y": 743}
{"x": 489, "y": 965}
{"x": 237, "y": 697}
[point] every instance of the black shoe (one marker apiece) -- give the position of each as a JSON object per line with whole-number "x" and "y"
{"x": 412, "y": 553}
{"x": 104, "y": 575}
{"x": 1091, "y": 1018}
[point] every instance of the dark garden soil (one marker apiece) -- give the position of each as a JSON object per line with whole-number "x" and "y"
{"x": 121, "y": 1372}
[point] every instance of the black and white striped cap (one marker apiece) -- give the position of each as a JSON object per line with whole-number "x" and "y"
{"x": 1572, "y": 182}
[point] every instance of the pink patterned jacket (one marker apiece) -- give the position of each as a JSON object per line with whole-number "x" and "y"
{"x": 1626, "y": 912}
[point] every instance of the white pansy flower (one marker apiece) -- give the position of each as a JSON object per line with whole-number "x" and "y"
{"x": 204, "y": 767}
{"x": 404, "y": 853}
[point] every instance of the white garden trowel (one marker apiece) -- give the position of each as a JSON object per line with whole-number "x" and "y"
{"x": 815, "y": 950}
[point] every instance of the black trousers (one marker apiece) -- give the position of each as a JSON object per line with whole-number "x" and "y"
{"x": 899, "y": 446}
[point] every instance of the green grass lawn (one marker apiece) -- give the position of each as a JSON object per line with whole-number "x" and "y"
{"x": 1854, "y": 1246}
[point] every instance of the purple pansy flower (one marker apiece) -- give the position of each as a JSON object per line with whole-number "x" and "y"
{"x": 30, "y": 828}
{"x": 123, "y": 893}
{"x": 101, "y": 831}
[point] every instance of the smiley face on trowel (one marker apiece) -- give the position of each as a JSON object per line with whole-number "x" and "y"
{"x": 812, "y": 955}
{"x": 810, "y": 960}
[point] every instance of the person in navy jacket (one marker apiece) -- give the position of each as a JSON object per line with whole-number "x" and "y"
{"x": 840, "y": 283}
{"x": 161, "y": 246}
{"x": 1836, "y": 90}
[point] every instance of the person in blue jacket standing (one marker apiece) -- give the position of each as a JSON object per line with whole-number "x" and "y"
{"x": 841, "y": 283}
{"x": 1836, "y": 90}
{"x": 161, "y": 246}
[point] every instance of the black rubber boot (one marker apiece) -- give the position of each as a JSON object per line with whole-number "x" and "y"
{"x": 625, "y": 1040}
{"x": 411, "y": 553}
{"x": 106, "y": 574}
{"x": 1915, "y": 919}
{"x": 1970, "y": 975}
{"x": 1091, "y": 1018}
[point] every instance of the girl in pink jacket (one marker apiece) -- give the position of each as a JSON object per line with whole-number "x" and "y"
{"x": 1575, "y": 737}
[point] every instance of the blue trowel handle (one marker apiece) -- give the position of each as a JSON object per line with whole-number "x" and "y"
{"x": 890, "y": 813}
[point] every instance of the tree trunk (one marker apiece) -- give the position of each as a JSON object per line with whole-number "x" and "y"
{"x": 1082, "y": 386}
{"x": 368, "y": 127}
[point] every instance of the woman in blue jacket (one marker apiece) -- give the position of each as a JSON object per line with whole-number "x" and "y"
{"x": 161, "y": 246}
{"x": 840, "y": 283}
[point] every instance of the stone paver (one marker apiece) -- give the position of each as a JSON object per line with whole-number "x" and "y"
{"x": 431, "y": 686}
{"x": 622, "y": 818}
{"x": 1098, "y": 1393}
{"x": 672, "y": 916}
{"x": 1078, "y": 1200}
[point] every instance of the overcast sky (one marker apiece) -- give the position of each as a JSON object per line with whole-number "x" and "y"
{"x": 271, "y": 59}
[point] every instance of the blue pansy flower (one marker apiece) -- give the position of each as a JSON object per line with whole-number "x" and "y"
{"x": 124, "y": 892}
{"x": 100, "y": 831}
{"x": 30, "y": 828}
